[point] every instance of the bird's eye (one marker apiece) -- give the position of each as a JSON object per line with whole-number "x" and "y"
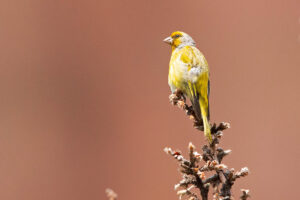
{"x": 177, "y": 36}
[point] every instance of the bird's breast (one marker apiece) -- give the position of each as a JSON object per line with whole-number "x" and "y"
{"x": 178, "y": 74}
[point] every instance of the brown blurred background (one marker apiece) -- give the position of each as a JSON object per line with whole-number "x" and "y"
{"x": 84, "y": 95}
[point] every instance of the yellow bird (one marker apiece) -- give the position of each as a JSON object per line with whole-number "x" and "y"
{"x": 189, "y": 73}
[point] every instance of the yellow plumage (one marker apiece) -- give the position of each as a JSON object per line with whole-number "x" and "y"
{"x": 189, "y": 73}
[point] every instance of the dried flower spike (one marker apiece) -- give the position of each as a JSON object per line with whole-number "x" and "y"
{"x": 194, "y": 174}
{"x": 191, "y": 147}
{"x": 111, "y": 194}
{"x": 245, "y": 194}
{"x": 168, "y": 150}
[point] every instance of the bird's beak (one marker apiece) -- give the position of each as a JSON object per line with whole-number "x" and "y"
{"x": 168, "y": 40}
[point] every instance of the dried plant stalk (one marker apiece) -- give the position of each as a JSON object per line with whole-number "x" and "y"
{"x": 194, "y": 174}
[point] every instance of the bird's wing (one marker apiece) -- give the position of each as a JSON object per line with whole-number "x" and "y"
{"x": 198, "y": 78}
{"x": 198, "y": 84}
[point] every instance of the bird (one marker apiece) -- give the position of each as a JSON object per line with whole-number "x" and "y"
{"x": 189, "y": 73}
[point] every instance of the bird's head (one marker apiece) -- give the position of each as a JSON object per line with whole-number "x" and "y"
{"x": 179, "y": 39}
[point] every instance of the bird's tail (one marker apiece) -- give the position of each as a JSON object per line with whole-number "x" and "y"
{"x": 205, "y": 117}
{"x": 201, "y": 108}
